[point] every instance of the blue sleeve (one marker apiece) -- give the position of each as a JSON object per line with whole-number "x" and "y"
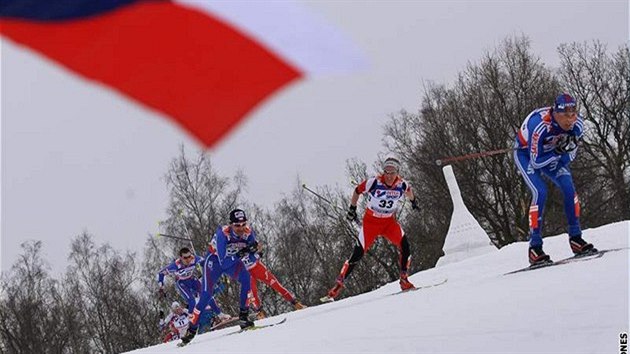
{"x": 578, "y": 131}
{"x": 251, "y": 238}
{"x": 538, "y": 157}
{"x": 170, "y": 268}
{"x": 225, "y": 260}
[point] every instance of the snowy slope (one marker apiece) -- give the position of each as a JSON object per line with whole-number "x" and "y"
{"x": 574, "y": 308}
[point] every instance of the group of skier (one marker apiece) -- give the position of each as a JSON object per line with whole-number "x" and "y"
{"x": 545, "y": 145}
{"x": 233, "y": 251}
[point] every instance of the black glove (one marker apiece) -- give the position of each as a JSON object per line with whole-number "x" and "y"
{"x": 161, "y": 292}
{"x": 414, "y": 204}
{"x": 352, "y": 213}
{"x": 566, "y": 144}
{"x": 161, "y": 314}
{"x": 253, "y": 248}
{"x": 242, "y": 252}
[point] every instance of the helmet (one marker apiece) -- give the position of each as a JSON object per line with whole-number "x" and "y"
{"x": 565, "y": 103}
{"x": 237, "y": 215}
{"x": 175, "y": 305}
{"x": 391, "y": 162}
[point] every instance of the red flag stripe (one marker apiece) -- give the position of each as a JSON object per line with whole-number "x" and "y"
{"x": 199, "y": 71}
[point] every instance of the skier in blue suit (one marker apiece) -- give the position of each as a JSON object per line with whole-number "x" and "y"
{"x": 546, "y": 143}
{"x": 188, "y": 286}
{"x": 226, "y": 258}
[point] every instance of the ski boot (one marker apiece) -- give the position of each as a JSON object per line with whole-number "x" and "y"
{"x": 581, "y": 247}
{"x": 244, "y": 320}
{"x": 190, "y": 334}
{"x": 259, "y": 313}
{"x": 405, "y": 284}
{"x": 334, "y": 292}
{"x": 537, "y": 256}
{"x": 298, "y": 305}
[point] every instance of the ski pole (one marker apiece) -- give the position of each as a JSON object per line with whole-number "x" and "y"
{"x": 175, "y": 237}
{"x": 323, "y": 198}
{"x": 356, "y": 224}
{"x": 475, "y": 155}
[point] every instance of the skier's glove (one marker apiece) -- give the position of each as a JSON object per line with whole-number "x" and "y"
{"x": 161, "y": 292}
{"x": 243, "y": 252}
{"x": 566, "y": 144}
{"x": 161, "y": 315}
{"x": 253, "y": 248}
{"x": 352, "y": 213}
{"x": 414, "y": 204}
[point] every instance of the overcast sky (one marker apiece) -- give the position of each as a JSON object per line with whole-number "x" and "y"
{"x": 77, "y": 156}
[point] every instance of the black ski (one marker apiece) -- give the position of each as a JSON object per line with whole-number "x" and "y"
{"x": 421, "y": 287}
{"x": 257, "y": 327}
{"x": 253, "y": 328}
{"x": 577, "y": 258}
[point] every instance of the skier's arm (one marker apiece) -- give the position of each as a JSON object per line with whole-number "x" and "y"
{"x": 578, "y": 132}
{"x": 355, "y": 198}
{"x": 170, "y": 268}
{"x": 225, "y": 260}
{"x": 538, "y": 158}
{"x": 412, "y": 198}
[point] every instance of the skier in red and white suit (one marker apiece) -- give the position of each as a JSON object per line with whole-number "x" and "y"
{"x": 383, "y": 195}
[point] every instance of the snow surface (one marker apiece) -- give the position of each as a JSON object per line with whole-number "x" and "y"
{"x": 580, "y": 307}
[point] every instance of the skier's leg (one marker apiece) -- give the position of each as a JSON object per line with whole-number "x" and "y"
{"x": 187, "y": 293}
{"x": 211, "y": 273}
{"x": 538, "y": 188}
{"x": 242, "y": 275}
{"x": 254, "y": 299}
{"x": 260, "y": 272}
{"x": 394, "y": 233}
{"x": 564, "y": 181}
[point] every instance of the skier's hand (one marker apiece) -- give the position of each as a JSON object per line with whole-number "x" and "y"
{"x": 414, "y": 204}
{"x": 242, "y": 252}
{"x": 352, "y": 213}
{"x": 253, "y": 248}
{"x": 161, "y": 315}
{"x": 566, "y": 144}
{"x": 161, "y": 292}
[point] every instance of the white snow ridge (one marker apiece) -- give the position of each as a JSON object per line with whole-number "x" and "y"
{"x": 580, "y": 307}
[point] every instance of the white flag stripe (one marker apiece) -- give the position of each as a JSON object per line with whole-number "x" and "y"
{"x": 292, "y": 31}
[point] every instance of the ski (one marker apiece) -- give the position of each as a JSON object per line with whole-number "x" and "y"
{"x": 326, "y": 299}
{"x": 257, "y": 327}
{"x": 421, "y": 287}
{"x": 576, "y": 258}
{"x": 225, "y": 323}
{"x": 253, "y": 328}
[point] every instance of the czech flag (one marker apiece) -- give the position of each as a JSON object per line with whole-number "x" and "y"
{"x": 204, "y": 64}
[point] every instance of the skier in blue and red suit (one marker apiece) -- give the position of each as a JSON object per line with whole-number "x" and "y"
{"x": 188, "y": 286}
{"x": 230, "y": 248}
{"x": 545, "y": 145}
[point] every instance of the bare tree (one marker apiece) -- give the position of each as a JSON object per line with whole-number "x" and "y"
{"x": 115, "y": 317}
{"x": 601, "y": 81}
{"x": 33, "y": 307}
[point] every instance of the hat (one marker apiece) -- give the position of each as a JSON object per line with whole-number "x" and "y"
{"x": 564, "y": 103}
{"x": 390, "y": 161}
{"x": 237, "y": 215}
